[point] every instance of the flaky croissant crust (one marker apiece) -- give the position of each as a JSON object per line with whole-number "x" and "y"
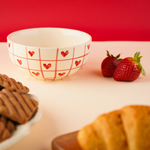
{"x": 125, "y": 129}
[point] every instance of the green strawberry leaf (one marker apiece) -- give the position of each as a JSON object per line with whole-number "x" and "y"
{"x": 108, "y": 54}
{"x": 137, "y": 58}
{"x": 143, "y": 72}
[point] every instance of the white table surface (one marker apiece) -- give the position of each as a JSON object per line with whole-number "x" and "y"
{"x": 68, "y": 105}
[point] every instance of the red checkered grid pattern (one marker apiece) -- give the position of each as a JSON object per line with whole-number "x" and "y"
{"x": 31, "y": 71}
{"x": 71, "y": 62}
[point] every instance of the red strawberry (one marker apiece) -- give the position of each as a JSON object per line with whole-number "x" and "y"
{"x": 129, "y": 69}
{"x": 109, "y": 65}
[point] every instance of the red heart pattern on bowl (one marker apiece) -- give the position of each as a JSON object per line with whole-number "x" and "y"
{"x": 47, "y": 66}
{"x": 64, "y": 54}
{"x": 77, "y": 62}
{"x": 9, "y": 45}
{"x": 61, "y": 74}
{"x": 36, "y": 73}
{"x": 31, "y": 53}
{"x": 88, "y": 46}
{"x": 19, "y": 61}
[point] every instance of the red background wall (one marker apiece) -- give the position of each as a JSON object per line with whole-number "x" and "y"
{"x": 103, "y": 19}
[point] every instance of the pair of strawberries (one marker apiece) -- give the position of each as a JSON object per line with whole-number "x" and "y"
{"x": 127, "y": 69}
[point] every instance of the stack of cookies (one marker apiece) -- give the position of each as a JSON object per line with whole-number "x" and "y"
{"x": 15, "y": 106}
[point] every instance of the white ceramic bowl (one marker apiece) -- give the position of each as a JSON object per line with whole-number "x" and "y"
{"x": 22, "y": 130}
{"x": 49, "y": 53}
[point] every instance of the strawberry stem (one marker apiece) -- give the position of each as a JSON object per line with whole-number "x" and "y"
{"x": 108, "y": 54}
{"x": 137, "y": 58}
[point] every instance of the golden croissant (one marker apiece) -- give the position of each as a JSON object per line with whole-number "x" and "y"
{"x": 125, "y": 129}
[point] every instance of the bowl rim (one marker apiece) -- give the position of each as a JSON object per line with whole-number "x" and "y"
{"x": 46, "y": 47}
